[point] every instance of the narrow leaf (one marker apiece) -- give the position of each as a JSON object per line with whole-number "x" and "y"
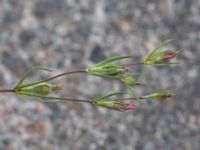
{"x": 112, "y": 59}
{"x": 157, "y": 48}
{"x": 29, "y": 72}
{"x": 112, "y": 94}
{"x": 39, "y": 98}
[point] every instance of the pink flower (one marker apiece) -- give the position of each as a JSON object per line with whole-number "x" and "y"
{"x": 132, "y": 106}
{"x": 168, "y": 55}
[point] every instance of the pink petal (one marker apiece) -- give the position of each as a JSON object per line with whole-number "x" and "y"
{"x": 132, "y": 106}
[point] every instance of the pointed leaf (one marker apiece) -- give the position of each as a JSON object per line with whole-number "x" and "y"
{"x": 111, "y": 94}
{"x": 157, "y": 48}
{"x": 29, "y": 72}
{"x": 112, "y": 59}
{"x": 39, "y": 98}
{"x": 165, "y": 64}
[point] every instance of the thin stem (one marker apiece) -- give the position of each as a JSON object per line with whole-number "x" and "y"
{"x": 70, "y": 99}
{"x": 54, "y": 77}
{"x": 65, "y": 73}
{"x": 7, "y": 90}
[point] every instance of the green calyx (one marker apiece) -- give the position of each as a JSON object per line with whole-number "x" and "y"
{"x": 36, "y": 90}
{"x": 160, "y": 95}
{"x": 130, "y": 80}
{"x": 114, "y": 104}
{"x": 44, "y": 88}
{"x": 160, "y": 58}
{"x": 108, "y": 69}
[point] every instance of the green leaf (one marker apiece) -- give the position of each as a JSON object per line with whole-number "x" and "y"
{"x": 164, "y": 64}
{"x": 132, "y": 92}
{"x": 129, "y": 80}
{"x": 40, "y": 98}
{"x": 111, "y": 94}
{"x": 112, "y": 59}
{"x": 28, "y": 73}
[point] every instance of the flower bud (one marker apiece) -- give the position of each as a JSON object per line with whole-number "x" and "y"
{"x": 167, "y": 56}
{"x": 162, "y": 95}
{"x": 130, "y": 80}
{"x": 108, "y": 68}
{"x": 161, "y": 58}
{"x": 107, "y": 71}
{"x": 57, "y": 86}
{"x": 114, "y": 104}
{"x": 43, "y": 88}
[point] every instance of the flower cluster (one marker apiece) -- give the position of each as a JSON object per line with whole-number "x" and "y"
{"x": 111, "y": 69}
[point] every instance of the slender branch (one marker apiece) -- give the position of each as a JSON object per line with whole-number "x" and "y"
{"x": 70, "y": 99}
{"x": 54, "y": 77}
{"x": 55, "y": 98}
{"x": 7, "y": 90}
{"x": 65, "y": 73}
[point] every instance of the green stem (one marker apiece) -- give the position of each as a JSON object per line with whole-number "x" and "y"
{"x": 70, "y": 99}
{"x": 54, "y": 77}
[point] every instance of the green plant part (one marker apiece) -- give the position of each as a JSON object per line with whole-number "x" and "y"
{"x": 112, "y": 104}
{"x": 28, "y": 73}
{"x": 108, "y": 69}
{"x": 160, "y": 58}
{"x": 160, "y": 95}
{"x": 36, "y": 90}
{"x": 43, "y": 89}
{"x": 115, "y": 104}
{"x": 130, "y": 81}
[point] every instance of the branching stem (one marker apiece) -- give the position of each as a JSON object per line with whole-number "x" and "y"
{"x": 7, "y": 90}
{"x": 54, "y": 77}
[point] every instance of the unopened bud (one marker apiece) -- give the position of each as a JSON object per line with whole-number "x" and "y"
{"x": 167, "y": 56}
{"x": 57, "y": 86}
{"x": 114, "y": 104}
{"x": 130, "y": 80}
{"x": 43, "y": 89}
{"x": 107, "y": 71}
{"x": 162, "y": 95}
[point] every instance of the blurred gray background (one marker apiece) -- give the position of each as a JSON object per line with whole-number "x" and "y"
{"x": 66, "y": 35}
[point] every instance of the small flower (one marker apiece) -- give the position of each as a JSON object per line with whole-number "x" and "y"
{"x": 132, "y": 106}
{"x": 161, "y": 95}
{"x": 160, "y": 58}
{"x": 167, "y": 56}
{"x": 116, "y": 104}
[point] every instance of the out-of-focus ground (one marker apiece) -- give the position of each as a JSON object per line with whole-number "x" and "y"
{"x": 69, "y": 34}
